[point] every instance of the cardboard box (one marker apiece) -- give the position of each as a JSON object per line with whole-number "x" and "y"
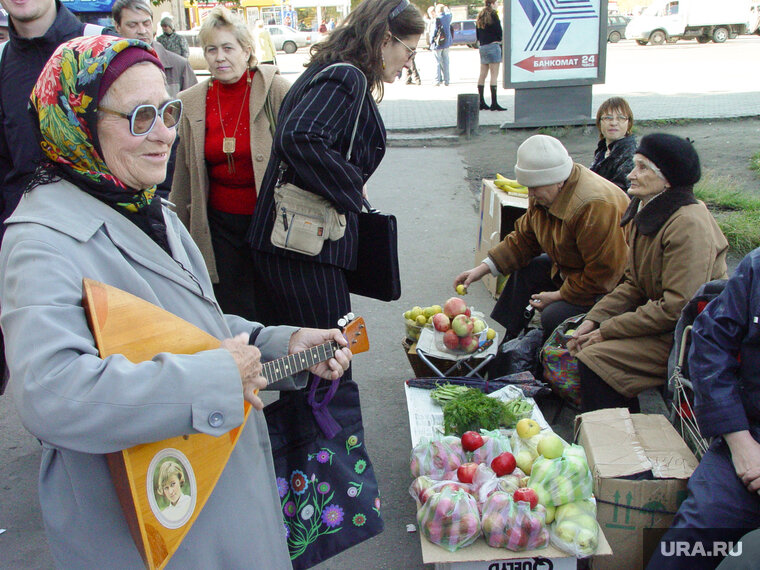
{"x": 498, "y": 212}
{"x": 640, "y": 466}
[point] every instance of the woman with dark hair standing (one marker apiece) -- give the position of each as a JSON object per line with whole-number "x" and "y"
{"x": 330, "y": 138}
{"x": 488, "y": 30}
{"x": 314, "y": 132}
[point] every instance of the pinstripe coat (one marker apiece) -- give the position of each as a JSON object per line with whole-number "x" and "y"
{"x": 314, "y": 129}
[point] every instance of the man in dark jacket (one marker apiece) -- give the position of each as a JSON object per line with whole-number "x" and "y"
{"x": 724, "y": 366}
{"x": 36, "y": 29}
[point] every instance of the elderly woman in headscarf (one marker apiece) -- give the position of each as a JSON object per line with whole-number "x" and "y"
{"x": 106, "y": 126}
{"x": 674, "y": 247}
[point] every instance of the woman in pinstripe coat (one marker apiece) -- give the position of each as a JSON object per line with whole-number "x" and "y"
{"x": 313, "y": 135}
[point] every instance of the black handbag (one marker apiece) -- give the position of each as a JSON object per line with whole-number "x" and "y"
{"x": 325, "y": 479}
{"x": 377, "y": 274}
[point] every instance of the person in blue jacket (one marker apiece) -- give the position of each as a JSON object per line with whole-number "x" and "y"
{"x": 724, "y": 366}
{"x": 441, "y": 43}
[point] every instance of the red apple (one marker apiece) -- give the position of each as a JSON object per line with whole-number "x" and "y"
{"x": 451, "y": 340}
{"x": 468, "y": 343}
{"x": 441, "y": 322}
{"x": 503, "y": 464}
{"x": 472, "y": 440}
{"x": 466, "y": 471}
{"x": 467, "y": 312}
{"x": 526, "y": 494}
{"x": 454, "y": 306}
{"x": 462, "y": 325}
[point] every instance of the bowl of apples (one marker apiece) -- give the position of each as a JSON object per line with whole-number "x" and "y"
{"x": 416, "y": 318}
{"x": 458, "y": 330}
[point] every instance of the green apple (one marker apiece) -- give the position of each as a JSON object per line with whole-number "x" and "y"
{"x": 479, "y": 325}
{"x": 550, "y": 446}
{"x": 525, "y": 461}
{"x": 550, "y": 513}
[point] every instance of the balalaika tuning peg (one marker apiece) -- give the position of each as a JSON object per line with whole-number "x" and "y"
{"x": 342, "y": 322}
{"x": 350, "y": 317}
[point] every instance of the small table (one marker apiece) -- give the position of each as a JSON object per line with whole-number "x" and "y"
{"x": 473, "y": 363}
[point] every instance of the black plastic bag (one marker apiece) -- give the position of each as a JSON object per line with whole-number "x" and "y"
{"x": 519, "y": 354}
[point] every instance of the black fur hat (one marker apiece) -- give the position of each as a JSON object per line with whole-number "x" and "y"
{"x": 674, "y": 156}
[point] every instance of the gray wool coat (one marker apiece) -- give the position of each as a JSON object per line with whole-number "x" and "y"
{"x": 82, "y": 407}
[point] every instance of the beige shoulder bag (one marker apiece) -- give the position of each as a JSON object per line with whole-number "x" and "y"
{"x": 303, "y": 220}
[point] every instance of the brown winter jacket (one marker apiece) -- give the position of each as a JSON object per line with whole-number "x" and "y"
{"x": 190, "y": 185}
{"x": 580, "y": 232}
{"x": 638, "y": 318}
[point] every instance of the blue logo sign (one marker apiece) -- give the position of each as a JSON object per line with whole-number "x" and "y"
{"x": 551, "y": 19}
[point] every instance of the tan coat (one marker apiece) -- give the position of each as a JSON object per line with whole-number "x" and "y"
{"x": 638, "y": 318}
{"x": 190, "y": 185}
{"x": 581, "y": 233}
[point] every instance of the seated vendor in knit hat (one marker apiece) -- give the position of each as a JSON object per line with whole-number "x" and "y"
{"x": 566, "y": 251}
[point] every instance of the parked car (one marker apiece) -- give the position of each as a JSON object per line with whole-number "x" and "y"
{"x": 196, "y": 59}
{"x": 288, "y": 39}
{"x": 616, "y": 28}
{"x": 464, "y": 33}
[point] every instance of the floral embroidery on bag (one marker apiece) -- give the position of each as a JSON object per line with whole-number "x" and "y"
{"x": 360, "y": 466}
{"x": 359, "y": 519}
{"x": 355, "y": 489}
{"x": 352, "y": 443}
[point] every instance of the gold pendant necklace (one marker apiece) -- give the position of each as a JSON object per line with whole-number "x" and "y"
{"x": 228, "y": 143}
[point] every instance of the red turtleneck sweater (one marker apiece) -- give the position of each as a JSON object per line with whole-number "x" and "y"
{"x": 231, "y": 192}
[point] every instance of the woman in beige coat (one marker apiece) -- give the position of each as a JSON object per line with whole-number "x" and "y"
{"x": 225, "y": 140}
{"x": 674, "y": 247}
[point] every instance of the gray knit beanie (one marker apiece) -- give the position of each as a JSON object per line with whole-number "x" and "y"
{"x": 542, "y": 160}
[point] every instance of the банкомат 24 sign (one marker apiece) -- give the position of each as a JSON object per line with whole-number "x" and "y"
{"x": 553, "y": 40}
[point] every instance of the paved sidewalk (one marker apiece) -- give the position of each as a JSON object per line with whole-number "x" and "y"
{"x": 412, "y": 107}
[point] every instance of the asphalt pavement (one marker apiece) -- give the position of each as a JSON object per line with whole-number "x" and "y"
{"x": 427, "y": 190}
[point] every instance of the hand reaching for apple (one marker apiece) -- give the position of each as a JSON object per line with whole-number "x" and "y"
{"x": 745, "y": 454}
{"x": 471, "y": 275}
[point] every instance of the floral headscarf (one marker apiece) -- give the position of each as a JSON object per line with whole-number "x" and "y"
{"x": 65, "y": 99}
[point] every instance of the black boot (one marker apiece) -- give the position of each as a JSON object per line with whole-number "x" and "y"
{"x": 494, "y": 103}
{"x": 483, "y": 105}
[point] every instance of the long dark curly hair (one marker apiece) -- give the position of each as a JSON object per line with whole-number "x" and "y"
{"x": 359, "y": 39}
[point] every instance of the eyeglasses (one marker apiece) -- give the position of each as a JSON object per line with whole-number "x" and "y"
{"x": 412, "y": 52}
{"x": 143, "y": 118}
{"x": 610, "y": 118}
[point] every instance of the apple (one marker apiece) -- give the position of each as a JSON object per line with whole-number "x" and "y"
{"x": 478, "y": 326}
{"x": 462, "y": 325}
{"x": 451, "y": 340}
{"x": 472, "y": 440}
{"x": 503, "y": 464}
{"x": 454, "y": 306}
{"x": 441, "y": 322}
{"x": 467, "y": 312}
{"x": 524, "y": 460}
{"x": 550, "y": 446}
{"x": 466, "y": 471}
{"x": 526, "y": 494}
{"x": 468, "y": 344}
{"x": 550, "y": 512}
{"x": 461, "y": 289}
{"x": 527, "y": 427}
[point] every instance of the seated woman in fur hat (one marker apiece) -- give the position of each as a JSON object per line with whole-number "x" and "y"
{"x": 674, "y": 247}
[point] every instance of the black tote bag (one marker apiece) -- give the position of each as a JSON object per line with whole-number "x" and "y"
{"x": 325, "y": 479}
{"x": 377, "y": 273}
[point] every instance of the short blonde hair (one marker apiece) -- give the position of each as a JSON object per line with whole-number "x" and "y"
{"x": 169, "y": 469}
{"x": 221, "y": 17}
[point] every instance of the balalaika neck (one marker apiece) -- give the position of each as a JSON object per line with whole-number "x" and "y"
{"x": 276, "y": 370}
